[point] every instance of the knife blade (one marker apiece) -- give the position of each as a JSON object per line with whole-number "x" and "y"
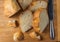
{"x": 51, "y": 18}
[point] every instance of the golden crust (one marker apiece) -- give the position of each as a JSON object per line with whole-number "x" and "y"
{"x": 36, "y": 20}
{"x": 34, "y": 35}
{"x": 18, "y": 36}
{"x": 10, "y": 7}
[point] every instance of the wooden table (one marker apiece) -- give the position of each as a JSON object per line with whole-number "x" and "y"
{"x": 6, "y": 34}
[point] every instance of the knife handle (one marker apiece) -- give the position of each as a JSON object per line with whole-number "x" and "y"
{"x": 52, "y": 36}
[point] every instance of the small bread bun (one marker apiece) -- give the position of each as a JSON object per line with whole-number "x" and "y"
{"x": 12, "y": 23}
{"x": 18, "y": 36}
{"x": 34, "y": 35}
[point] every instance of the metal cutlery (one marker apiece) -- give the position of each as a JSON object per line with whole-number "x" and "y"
{"x": 51, "y": 18}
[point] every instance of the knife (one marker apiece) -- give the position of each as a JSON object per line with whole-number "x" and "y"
{"x": 51, "y": 18}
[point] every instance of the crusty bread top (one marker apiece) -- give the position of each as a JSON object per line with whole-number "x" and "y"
{"x": 10, "y": 7}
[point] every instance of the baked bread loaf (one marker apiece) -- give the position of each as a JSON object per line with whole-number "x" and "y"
{"x": 37, "y": 4}
{"x": 26, "y": 20}
{"x": 10, "y": 7}
{"x": 24, "y": 3}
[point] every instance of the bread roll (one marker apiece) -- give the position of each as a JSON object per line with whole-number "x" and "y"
{"x": 18, "y": 36}
{"x": 34, "y": 35}
{"x": 26, "y": 20}
{"x": 38, "y": 4}
{"x": 10, "y": 7}
{"x": 24, "y": 3}
{"x": 12, "y": 23}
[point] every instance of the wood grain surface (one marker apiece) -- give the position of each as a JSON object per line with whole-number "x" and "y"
{"x": 58, "y": 19}
{"x": 6, "y": 34}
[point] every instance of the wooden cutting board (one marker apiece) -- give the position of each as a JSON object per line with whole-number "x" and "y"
{"x": 58, "y": 19}
{"x": 6, "y": 34}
